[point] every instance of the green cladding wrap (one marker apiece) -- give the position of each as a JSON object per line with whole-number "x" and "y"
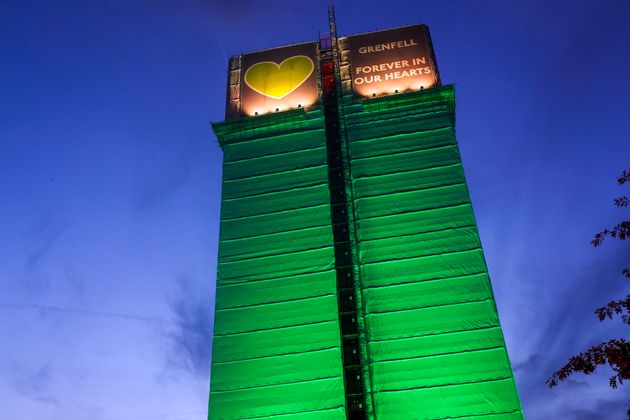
{"x": 431, "y": 339}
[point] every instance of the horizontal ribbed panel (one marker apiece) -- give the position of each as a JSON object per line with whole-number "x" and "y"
{"x": 408, "y": 181}
{"x": 428, "y": 293}
{"x": 434, "y": 343}
{"x": 279, "y": 399}
{"x": 275, "y": 315}
{"x": 276, "y": 222}
{"x": 432, "y": 320}
{"x": 413, "y": 222}
{"x": 264, "y": 165}
{"x": 418, "y": 245}
{"x": 434, "y": 338}
{"x": 409, "y": 201}
{"x": 275, "y": 202}
{"x": 404, "y": 142}
{"x": 283, "y": 265}
{"x": 424, "y": 268}
{"x": 436, "y": 371}
{"x": 474, "y": 399}
{"x": 275, "y": 244}
{"x": 276, "y": 290}
{"x": 407, "y": 161}
{"x": 275, "y": 182}
{"x": 260, "y": 146}
{"x": 277, "y": 341}
{"x": 264, "y": 371}
{"x": 268, "y": 343}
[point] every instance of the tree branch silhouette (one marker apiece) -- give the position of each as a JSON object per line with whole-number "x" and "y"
{"x": 615, "y": 352}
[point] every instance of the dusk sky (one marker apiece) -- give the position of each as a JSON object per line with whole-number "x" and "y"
{"x": 110, "y": 187}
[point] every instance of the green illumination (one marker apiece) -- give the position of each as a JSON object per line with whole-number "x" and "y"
{"x": 277, "y": 345}
{"x": 430, "y": 328}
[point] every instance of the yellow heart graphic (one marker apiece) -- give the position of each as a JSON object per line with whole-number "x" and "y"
{"x": 278, "y": 80}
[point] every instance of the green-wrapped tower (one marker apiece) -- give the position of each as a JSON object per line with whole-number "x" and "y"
{"x": 351, "y": 282}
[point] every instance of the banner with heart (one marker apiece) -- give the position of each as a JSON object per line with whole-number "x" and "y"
{"x": 278, "y": 80}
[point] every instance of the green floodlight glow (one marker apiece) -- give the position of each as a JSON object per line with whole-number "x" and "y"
{"x": 430, "y": 337}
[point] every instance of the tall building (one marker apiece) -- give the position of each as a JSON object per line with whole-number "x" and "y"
{"x": 351, "y": 281}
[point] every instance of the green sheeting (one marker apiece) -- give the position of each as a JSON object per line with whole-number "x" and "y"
{"x": 418, "y": 245}
{"x": 276, "y": 182}
{"x": 275, "y": 201}
{"x": 415, "y": 222}
{"x": 271, "y": 164}
{"x": 435, "y": 345}
{"x": 277, "y": 347}
{"x": 449, "y": 401}
{"x": 271, "y": 400}
{"x": 254, "y": 147}
{"x": 405, "y": 142}
{"x": 406, "y": 161}
{"x": 432, "y": 320}
{"x": 276, "y": 290}
{"x": 428, "y": 293}
{"x": 441, "y": 370}
{"x": 431, "y": 331}
{"x": 282, "y": 221}
{"x": 283, "y": 265}
{"x": 430, "y": 267}
{"x": 276, "y": 315}
{"x": 264, "y": 371}
{"x": 283, "y": 242}
{"x": 375, "y": 185}
{"x": 275, "y": 342}
{"x": 409, "y": 201}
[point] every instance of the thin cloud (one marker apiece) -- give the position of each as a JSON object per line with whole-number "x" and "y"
{"x": 603, "y": 409}
{"x": 37, "y": 385}
{"x": 48, "y": 234}
{"x": 191, "y": 349}
{"x": 569, "y": 330}
{"x": 45, "y": 309}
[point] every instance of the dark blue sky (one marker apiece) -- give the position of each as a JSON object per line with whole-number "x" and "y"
{"x": 111, "y": 180}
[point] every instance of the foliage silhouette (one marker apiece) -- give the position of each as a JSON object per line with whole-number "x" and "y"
{"x": 615, "y": 352}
